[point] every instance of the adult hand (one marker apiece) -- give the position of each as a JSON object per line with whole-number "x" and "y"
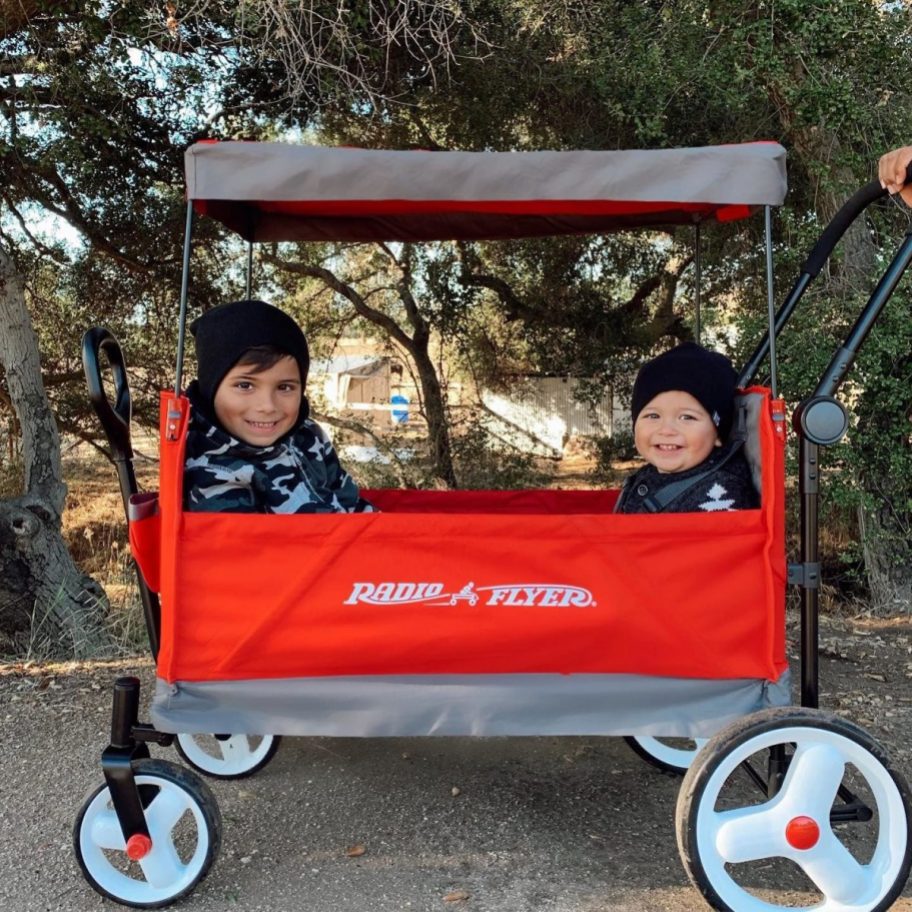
{"x": 892, "y": 172}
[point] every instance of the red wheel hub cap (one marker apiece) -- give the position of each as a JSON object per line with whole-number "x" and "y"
{"x": 802, "y": 832}
{"x": 138, "y": 846}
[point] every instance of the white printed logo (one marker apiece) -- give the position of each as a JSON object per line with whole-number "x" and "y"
{"x": 514, "y": 595}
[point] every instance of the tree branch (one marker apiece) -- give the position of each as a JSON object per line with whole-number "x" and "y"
{"x": 331, "y": 281}
{"x": 516, "y": 309}
{"x": 38, "y": 245}
{"x": 403, "y": 289}
{"x": 637, "y": 302}
{"x": 15, "y": 15}
{"x": 381, "y": 444}
{"x": 666, "y": 321}
{"x": 70, "y": 210}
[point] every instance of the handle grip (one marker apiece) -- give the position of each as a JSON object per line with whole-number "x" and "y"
{"x": 815, "y": 261}
{"x": 114, "y": 418}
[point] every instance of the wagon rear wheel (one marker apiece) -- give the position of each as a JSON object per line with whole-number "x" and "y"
{"x": 806, "y": 847}
{"x": 227, "y": 756}
{"x": 184, "y": 825}
{"x": 671, "y": 755}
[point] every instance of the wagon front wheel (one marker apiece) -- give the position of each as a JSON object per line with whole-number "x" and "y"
{"x": 185, "y": 829}
{"x": 835, "y": 837}
{"x": 227, "y": 756}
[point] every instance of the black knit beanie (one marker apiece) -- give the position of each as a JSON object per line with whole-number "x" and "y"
{"x": 224, "y": 333}
{"x": 708, "y": 376}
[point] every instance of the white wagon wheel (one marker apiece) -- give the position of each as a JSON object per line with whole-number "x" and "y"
{"x": 227, "y": 756}
{"x": 185, "y": 828}
{"x": 671, "y": 755}
{"x": 732, "y": 845}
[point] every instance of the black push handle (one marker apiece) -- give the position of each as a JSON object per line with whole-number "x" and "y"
{"x": 833, "y": 232}
{"x": 114, "y": 418}
{"x": 815, "y": 261}
{"x": 863, "y": 198}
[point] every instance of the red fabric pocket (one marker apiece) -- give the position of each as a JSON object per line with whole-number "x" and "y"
{"x": 145, "y": 537}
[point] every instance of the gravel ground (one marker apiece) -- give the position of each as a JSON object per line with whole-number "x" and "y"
{"x": 346, "y": 825}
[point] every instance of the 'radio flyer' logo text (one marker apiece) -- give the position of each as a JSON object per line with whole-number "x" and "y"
{"x": 515, "y": 595}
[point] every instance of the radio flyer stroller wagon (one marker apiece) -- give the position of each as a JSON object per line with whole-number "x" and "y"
{"x": 495, "y": 612}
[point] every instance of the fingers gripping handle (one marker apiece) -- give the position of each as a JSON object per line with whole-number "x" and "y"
{"x": 114, "y": 418}
{"x": 895, "y": 170}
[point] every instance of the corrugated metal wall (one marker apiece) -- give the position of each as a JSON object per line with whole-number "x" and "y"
{"x": 545, "y": 408}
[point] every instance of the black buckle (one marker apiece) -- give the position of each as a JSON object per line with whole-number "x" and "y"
{"x": 807, "y": 576}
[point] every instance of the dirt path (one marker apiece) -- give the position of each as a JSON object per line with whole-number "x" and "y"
{"x": 510, "y": 825}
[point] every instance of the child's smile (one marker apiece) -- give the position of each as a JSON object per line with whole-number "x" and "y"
{"x": 674, "y": 432}
{"x": 259, "y": 407}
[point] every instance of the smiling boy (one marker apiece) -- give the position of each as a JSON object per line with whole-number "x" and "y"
{"x": 682, "y": 407}
{"x": 251, "y": 447}
{"x": 259, "y": 404}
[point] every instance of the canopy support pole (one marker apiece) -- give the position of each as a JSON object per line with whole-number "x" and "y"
{"x": 185, "y": 284}
{"x": 249, "y": 269}
{"x": 698, "y": 278}
{"x": 770, "y": 300}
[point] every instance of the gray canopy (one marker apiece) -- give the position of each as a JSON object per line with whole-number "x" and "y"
{"x": 279, "y": 192}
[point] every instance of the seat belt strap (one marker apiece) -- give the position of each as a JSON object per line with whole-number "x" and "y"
{"x": 656, "y": 503}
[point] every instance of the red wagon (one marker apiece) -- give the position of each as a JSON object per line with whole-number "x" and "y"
{"x": 495, "y": 612}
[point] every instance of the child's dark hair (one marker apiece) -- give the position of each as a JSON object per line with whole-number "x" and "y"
{"x": 262, "y": 357}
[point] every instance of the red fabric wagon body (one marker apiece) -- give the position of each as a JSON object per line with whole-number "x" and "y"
{"x": 483, "y": 612}
{"x": 488, "y": 613}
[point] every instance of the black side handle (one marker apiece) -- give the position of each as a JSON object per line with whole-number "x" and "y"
{"x": 114, "y": 418}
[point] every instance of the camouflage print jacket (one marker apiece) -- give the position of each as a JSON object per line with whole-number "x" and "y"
{"x": 299, "y": 474}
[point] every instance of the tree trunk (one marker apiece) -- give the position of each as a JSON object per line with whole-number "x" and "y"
{"x": 436, "y": 414}
{"x": 46, "y": 602}
{"x": 417, "y": 345}
{"x": 888, "y": 561}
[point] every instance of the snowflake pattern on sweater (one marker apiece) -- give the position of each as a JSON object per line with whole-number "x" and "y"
{"x": 729, "y": 486}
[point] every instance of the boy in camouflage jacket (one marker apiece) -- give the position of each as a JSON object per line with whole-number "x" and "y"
{"x": 251, "y": 447}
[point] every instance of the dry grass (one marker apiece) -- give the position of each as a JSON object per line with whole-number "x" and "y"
{"x": 95, "y": 530}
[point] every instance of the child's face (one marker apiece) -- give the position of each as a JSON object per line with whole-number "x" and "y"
{"x": 674, "y": 432}
{"x": 258, "y": 408}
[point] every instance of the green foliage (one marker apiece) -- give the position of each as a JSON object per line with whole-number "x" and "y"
{"x": 482, "y": 462}
{"x": 874, "y": 468}
{"x": 94, "y": 114}
{"x": 609, "y": 451}
{"x": 867, "y": 496}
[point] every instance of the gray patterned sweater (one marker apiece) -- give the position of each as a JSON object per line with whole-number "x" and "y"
{"x": 300, "y": 473}
{"x": 728, "y": 486}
